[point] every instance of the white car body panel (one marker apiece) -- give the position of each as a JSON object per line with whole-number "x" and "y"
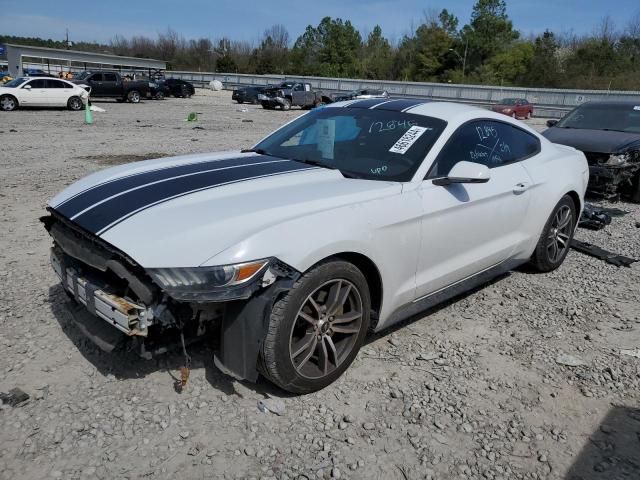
{"x": 45, "y": 97}
{"x": 421, "y": 237}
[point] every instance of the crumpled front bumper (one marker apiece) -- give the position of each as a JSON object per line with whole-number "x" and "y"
{"x": 123, "y": 314}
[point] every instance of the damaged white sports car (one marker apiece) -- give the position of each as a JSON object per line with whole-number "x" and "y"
{"x": 348, "y": 219}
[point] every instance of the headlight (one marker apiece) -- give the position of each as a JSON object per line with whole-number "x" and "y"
{"x": 205, "y": 283}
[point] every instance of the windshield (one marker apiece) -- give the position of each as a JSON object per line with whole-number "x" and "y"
{"x": 83, "y": 75}
{"x": 16, "y": 82}
{"x": 621, "y": 117}
{"x": 509, "y": 101}
{"x": 361, "y": 143}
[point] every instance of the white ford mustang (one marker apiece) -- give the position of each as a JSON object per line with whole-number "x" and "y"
{"x": 42, "y": 92}
{"x": 347, "y": 219}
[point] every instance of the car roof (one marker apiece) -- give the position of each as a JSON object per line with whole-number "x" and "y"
{"x": 444, "y": 110}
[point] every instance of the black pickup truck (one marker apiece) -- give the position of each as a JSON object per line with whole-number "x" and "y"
{"x": 108, "y": 84}
{"x": 288, "y": 94}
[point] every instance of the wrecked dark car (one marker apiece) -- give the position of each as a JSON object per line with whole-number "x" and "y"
{"x": 247, "y": 94}
{"x": 609, "y": 135}
{"x": 288, "y": 94}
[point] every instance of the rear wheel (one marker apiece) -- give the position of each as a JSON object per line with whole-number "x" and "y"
{"x": 554, "y": 243}
{"x": 133, "y": 96}
{"x": 8, "y": 103}
{"x": 159, "y": 96}
{"x": 317, "y": 328}
{"x": 75, "y": 104}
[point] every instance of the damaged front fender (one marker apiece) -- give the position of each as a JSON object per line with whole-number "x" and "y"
{"x": 243, "y": 329}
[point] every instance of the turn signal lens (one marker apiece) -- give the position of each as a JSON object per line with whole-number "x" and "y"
{"x": 248, "y": 270}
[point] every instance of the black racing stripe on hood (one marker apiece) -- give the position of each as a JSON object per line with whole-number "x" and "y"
{"x": 98, "y": 193}
{"x": 103, "y": 216}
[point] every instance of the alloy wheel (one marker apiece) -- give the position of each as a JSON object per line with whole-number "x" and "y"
{"x": 559, "y": 234}
{"x": 326, "y": 328}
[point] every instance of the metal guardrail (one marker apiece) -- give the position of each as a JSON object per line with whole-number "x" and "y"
{"x": 548, "y": 102}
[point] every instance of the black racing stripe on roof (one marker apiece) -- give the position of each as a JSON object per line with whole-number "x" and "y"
{"x": 401, "y": 104}
{"x": 85, "y": 199}
{"x": 371, "y": 102}
{"x": 103, "y": 216}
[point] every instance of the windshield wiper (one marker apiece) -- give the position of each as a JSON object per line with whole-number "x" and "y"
{"x": 262, "y": 151}
{"x": 315, "y": 163}
{"x": 347, "y": 174}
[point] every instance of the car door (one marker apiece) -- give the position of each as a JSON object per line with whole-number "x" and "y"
{"x": 34, "y": 93}
{"x": 95, "y": 82}
{"x": 57, "y": 94}
{"x": 109, "y": 83}
{"x": 297, "y": 94}
{"x": 471, "y": 227}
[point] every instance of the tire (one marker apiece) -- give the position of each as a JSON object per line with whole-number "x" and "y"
{"x": 184, "y": 92}
{"x": 292, "y": 353}
{"x": 557, "y": 231}
{"x": 75, "y": 104}
{"x": 513, "y": 115}
{"x": 133, "y": 96}
{"x": 529, "y": 115}
{"x": 286, "y": 104}
{"x": 159, "y": 96}
{"x": 239, "y": 102}
{"x": 8, "y": 103}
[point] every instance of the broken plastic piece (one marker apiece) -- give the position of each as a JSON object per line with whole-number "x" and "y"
{"x": 597, "y": 252}
{"x": 14, "y": 397}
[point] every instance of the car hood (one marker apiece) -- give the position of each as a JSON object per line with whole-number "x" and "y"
{"x": 596, "y": 141}
{"x": 181, "y": 211}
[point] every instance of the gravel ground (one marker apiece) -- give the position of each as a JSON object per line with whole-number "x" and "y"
{"x": 477, "y": 389}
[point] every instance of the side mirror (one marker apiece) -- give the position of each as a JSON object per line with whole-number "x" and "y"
{"x": 27, "y": 87}
{"x": 465, "y": 172}
{"x": 552, "y": 123}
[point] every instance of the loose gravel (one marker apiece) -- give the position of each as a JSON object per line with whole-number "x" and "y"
{"x": 524, "y": 378}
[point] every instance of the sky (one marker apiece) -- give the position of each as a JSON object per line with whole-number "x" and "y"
{"x": 247, "y": 19}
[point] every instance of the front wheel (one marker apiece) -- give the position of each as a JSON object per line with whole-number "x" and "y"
{"x": 8, "y": 103}
{"x": 75, "y": 104}
{"x": 133, "y": 96}
{"x": 316, "y": 330}
{"x": 286, "y": 104}
{"x": 555, "y": 241}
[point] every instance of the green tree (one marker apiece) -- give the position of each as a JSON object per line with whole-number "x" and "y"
{"x": 489, "y": 32}
{"x": 378, "y": 56}
{"x": 509, "y": 67}
{"x": 544, "y": 69}
{"x": 333, "y": 48}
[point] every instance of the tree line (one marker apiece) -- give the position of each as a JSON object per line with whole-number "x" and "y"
{"x": 485, "y": 50}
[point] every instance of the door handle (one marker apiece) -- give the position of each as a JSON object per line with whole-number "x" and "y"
{"x": 521, "y": 187}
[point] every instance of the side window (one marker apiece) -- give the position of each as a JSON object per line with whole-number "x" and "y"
{"x": 55, "y": 84}
{"x": 96, "y": 77}
{"x": 487, "y": 142}
{"x": 110, "y": 77}
{"x": 307, "y": 87}
{"x": 298, "y": 88}
{"x": 38, "y": 83}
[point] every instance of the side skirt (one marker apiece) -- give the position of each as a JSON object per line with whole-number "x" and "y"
{"x": 439, "y": 296}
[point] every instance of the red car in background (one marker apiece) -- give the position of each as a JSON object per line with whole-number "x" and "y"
{"x": 514, "y": 107}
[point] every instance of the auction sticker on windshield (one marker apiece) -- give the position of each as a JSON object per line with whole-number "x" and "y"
{"x": 408, "y": 139}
